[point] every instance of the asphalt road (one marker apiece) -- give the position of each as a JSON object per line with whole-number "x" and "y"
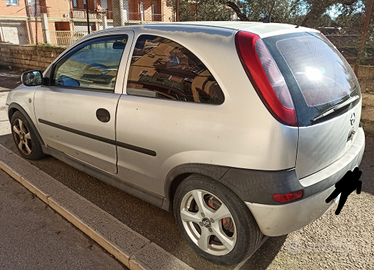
{"x": 335, "y": 242}
{"x": 33, "y": 236}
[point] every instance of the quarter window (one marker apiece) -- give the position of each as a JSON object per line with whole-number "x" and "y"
{"x": 93, "y": 64}
{"x": 162, "y": 68}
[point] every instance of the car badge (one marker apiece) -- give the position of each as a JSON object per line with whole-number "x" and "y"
{"x": 353, "y": 119}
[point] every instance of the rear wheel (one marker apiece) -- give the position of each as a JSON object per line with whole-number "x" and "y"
{"x": 24, "y": 137}
{"x": 215, "y": 221}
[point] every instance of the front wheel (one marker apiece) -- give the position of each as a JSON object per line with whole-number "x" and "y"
{"x": 24, "y": 137}
{"x": 215, "y": 221}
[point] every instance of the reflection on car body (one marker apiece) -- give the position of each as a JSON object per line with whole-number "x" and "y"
{"x": 174, "y": 74}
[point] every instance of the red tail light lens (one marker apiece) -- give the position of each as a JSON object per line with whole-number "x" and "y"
{"x": 288, "y": 197}
{"x": 265, "y": 76}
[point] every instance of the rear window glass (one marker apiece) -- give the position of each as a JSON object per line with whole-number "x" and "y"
{"x": 321, "y": 73}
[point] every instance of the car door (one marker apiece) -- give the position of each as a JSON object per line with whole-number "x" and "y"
{"x": 76, "y": 112}
{"x": 168, "y": 89}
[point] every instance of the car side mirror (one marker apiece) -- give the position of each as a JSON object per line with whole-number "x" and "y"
{"x": 32, "y": 78}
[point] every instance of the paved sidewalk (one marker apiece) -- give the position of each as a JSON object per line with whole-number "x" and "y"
{"x": 132, "y": 249}
{"x": 33, "y": 236}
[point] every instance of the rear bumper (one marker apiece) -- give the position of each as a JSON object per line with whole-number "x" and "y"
{"x": 275, "y": 220}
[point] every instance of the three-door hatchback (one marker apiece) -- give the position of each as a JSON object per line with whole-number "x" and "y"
{"x": 242, "y": 129}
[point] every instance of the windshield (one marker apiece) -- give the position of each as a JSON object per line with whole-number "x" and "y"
{"x": 316, "y": 73}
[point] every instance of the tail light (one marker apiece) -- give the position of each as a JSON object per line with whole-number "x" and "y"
{"x": 266, "y": 77}
{"x": 288, "y": 197}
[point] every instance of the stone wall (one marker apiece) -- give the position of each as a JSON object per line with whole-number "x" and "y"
{"x": 27, "y": 56}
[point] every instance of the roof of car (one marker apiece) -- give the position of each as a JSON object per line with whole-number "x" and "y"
{"x": 259, "y": 28}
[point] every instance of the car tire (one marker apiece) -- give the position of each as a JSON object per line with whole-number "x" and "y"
{"x": 214, "y": 221}
{"x": 25, "y": 138}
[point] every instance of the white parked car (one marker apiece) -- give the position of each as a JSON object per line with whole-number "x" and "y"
{"x": 242, "y": 129}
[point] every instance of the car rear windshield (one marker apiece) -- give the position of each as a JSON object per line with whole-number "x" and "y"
{"x": 317, "y": 75}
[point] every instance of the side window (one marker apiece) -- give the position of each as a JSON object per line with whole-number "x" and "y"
{"x": 93, "y": 64}
{"x": 162, "y": 68}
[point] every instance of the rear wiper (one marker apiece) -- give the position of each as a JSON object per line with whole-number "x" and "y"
{"x": 335, "y": 108}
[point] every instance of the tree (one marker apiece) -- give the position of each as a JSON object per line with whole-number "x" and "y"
{"x": 326, "y": 21}
{"x": 317, "y": 8}
{"x": 286, "y": 11}
{"x": 308, "y": 13}
{"x": 350, "y": 18}
{"x": 203, "y": 10}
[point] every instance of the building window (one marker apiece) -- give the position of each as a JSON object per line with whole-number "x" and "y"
{"x": 164, "y": 69}
{"x": 75, "y": 4}
{"x": 12, "y": 2}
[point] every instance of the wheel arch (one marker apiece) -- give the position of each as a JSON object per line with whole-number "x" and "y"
{"x": 178, "y": 174}
{"x": 14, "y": 107}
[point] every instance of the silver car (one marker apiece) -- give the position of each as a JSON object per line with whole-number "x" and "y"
{"x": 242, "y": 129}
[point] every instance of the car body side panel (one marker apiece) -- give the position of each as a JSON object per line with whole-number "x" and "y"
{"x": 108, "y": 178}
{"x": 23, "y": 97}
{"x": 184, "y": 132}
{"x": 196, "y": 133}
{"x": 60, "y": 122}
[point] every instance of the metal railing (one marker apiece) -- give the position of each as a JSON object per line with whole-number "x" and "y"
{"x": 82, "y": 14}
{"x": 66, "y": 38}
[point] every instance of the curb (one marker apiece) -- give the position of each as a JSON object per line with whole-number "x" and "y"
{"x": 129, "y": 247}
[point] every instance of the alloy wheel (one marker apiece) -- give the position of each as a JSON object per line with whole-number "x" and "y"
{"x": 208, "y": 222}
{"x": 22, "y": 137}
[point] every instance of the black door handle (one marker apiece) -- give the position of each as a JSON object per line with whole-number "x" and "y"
{"x": 103, "y": 115}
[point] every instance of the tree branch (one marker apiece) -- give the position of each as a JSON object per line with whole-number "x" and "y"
{"x": 237, "y": 10}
